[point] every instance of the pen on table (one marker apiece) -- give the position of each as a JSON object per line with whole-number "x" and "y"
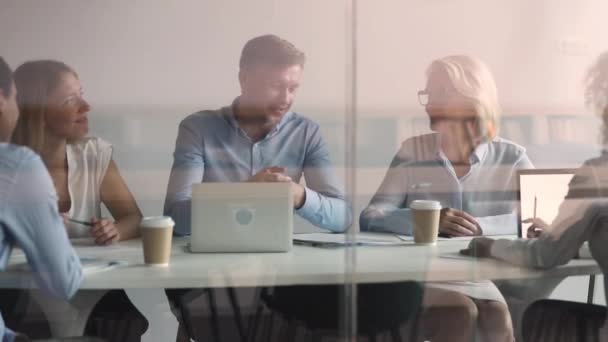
{"x": 84, "y": 223}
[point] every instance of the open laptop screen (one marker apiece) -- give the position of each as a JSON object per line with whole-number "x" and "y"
{"x": 543, "y": 188}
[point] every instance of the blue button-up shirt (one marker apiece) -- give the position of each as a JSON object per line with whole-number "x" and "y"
{"x": 420, "y": 171}
{"x": 29, "y": 219}
{"x": 211, "y": 147}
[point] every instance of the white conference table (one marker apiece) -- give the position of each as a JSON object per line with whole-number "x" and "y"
{"x": 302, "y": 265}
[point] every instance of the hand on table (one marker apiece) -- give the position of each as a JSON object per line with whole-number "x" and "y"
{"x": 537, "y": 227}
{"x": 104, "y": 231}
{"x": 276, "y": 174}
{"x": 480, "y": 247}
{"x": 455, "y": 223}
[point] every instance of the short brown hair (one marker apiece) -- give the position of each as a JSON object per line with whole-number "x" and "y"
{"x": 270, "y": 50}
{"x": 35, "y": 81}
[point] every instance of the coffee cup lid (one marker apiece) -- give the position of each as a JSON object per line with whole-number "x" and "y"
{"x": 156, "y": 222}
{"x": 425, "y": 205}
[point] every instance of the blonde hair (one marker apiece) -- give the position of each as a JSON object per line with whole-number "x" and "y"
{"x": 35, "y": 81}
{"x": 472, "y": 79}
{"x": 596, "y": 91}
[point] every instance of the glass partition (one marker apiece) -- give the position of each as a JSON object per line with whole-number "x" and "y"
{"x": 453, "y": 99}
{"x": 146, "y": 68}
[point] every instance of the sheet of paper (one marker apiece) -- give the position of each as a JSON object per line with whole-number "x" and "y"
{"x": 89, "y": 265}
{"x": 330, "y": 240}
{"x": 460, "y": 238}
{"x": 456, "y": 255}
{"x": 87, "y": 245}
{"x": 411, "y": 238}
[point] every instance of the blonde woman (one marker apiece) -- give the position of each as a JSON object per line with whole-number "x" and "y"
{"x": 466, "y": 166}
{"x": 54, "y": 124}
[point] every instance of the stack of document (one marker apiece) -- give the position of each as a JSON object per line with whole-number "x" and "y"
{"x": 343, "y": 240}
{"x": 369, "y": 239}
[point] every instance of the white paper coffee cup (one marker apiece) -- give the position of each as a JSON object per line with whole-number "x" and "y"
{"x": 157, "y": 234}
{"x": 425, "y": 221}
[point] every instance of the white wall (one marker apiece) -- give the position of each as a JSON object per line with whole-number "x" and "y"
{"x": 538, "y": 50}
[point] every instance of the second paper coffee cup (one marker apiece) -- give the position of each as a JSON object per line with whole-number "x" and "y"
{"x": 425, "y": 221}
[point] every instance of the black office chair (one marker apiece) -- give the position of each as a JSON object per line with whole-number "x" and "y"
{"x": 65, "y": 339}
{"x": 562, "y": 321}
{"x": 21, "y": 313}
{"x": 381, "y": 308}
{"x": 180, "y": 299}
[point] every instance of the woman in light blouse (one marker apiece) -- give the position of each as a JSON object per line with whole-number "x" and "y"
{"x": 471, "y": 171}
{"x": 54, "y": 123}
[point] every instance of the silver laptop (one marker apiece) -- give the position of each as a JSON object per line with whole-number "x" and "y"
{"x": 242, "y": 217}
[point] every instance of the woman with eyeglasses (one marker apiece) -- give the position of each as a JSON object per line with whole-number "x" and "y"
{"x": 471, "y": 171}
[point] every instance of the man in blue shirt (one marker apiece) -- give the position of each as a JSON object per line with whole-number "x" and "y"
{"x": 259, "y": 139}
{"x": 29, "y": 217}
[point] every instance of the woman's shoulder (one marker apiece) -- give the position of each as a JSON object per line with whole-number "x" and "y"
{"x": 419, "y": 147}
{"x": 591, "y": 179}
{"x": 594, "y": 168}
{"x": 600, "y": 161}
{"x": 12, "y": 156}
{"x": 505, "y": 149}
{"x": 13, "y": 151}
{"x": 508, "y": 145}
{"x": 91, "y": 145}
{"x": 23, "y": 171}
{"x": 93, "y": 152}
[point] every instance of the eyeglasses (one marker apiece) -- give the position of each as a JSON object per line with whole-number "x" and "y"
{"x": 423, "y": 97}
{"x": 439, "y": 95}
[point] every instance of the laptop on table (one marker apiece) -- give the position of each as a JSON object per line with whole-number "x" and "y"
{"x": 540, "y": 192}
{"x": 241, "y": 217}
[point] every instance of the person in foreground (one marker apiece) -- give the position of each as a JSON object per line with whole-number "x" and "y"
{"x": 471, "y": 171}
{"x": 29, "y": 218}
{"x": 582, "y": 216}
{"x": 54, "y": 124}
